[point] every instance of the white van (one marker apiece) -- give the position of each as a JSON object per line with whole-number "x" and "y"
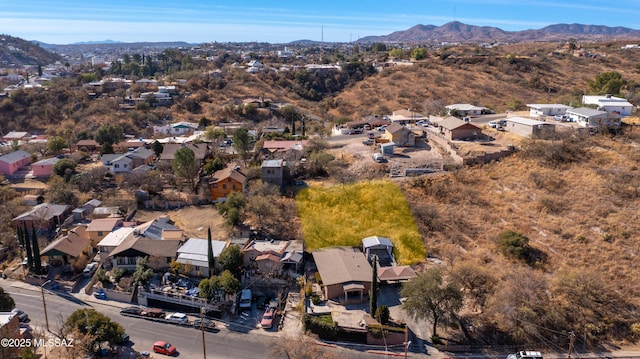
{"x": 89, "y": 269}
{"x": 378, "y": 157}
{"x": 245, "y": 299}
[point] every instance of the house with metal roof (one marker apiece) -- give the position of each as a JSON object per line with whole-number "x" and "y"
{"x": 12, "y": 162}
{"x": 465, "y": 109}
{"x": 527, "y": 127}
{"x": 454, "y": 128}
{"x": 194, "y": 253}
{"x": 547, "y": 109}
{"x": 590, "y": 118}
{"x": 615, "y": 107}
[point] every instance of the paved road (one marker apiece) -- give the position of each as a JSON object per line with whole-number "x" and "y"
{"x": 222, "y": 344}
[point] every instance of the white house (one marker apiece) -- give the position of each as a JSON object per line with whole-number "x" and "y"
{"x": 616, "y": 107}
{"x": 407, "y": 116}
{"x": 465, "y": 109}
{"x": 540, "y": 110}
{"x": 177, "y": 128}
{"x": 588, "y": 117}
{"x": 194, "y": 252}
{"x": 117, "y": 163}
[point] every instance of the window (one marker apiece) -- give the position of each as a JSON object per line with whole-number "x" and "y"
{"x": 168, "y": 259}
{"x": 224, "y": 186}
{"x": 233, "y": 186}
{"x": 116, "y": 165}
{"x": 215, "y": 185}
{"x": 100, "y": 233}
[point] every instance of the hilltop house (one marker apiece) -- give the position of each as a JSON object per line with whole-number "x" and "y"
{"x": 454, "y": 128}
{"x": 201, "y": 151}
{"x": 465, "y": 109}
{"x": 541, "y": 110}
{"x": 615, "y": 107}
{"x": 588, "y": 117}
{"x": 275, "y": 172}
{"x": 400, "y": 135}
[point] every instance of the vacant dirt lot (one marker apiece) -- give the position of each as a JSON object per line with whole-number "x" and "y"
{"x": 194, "y": 220}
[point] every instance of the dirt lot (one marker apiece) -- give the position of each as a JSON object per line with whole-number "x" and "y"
{"x": 194, "y": 220}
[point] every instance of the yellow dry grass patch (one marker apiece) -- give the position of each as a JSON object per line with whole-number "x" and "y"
{"x": 343, "y": 215}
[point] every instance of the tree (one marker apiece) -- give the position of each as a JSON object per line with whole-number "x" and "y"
{"x": 61, "y": 167}
{"x": 27, "y": 245}
{"x": 89, "y": 321}
{"x": 373, "y": 293}
{"x": 108, "y": 133}
{"x": 142, "y": 273}
{"x": 229, "y": 282}
{"x": 209, "y": 287}
{"x": 419, "y": 53}
{"x": 6, "y": 302}
{"x": 382, "y": 314}
{"x": 157, "y": 148}
{"x": 56, "y": 144}
{"x": 241, "y": 142}
{"x": 210, "y": 258}
{"x": 430, "y": 297}
{"x": 231, "y": 260}
{"x": 298, "y": 347}
{"x": 232, "y": 208}
{"x": 606, "y": 83}
{"x": 513, "y": 244}
{"x": 36, "y": 250}
{"x": 184, "y": 165}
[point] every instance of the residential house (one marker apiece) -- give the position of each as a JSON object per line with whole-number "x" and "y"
{"x": 400, "y": 135}
{"x": 90, "y": 146}
{"x": 159, "y": 252}
{"x": 465, "y": 109}
{"x": 529, "y": 128}
{"x": 275, "y": 172}
{"x": 395, "y": 273}
{"x": 147, "y": 83}
{"x": 117, "y": 163}
{"x": 293, "y": 257}
{"x": 201, "y": 151}
{"x": 16, "y": 136}
{"x": 408, "y": 116}
{"x": 257, "y": 248}
{"x": 44, "y": 217}
{"x": 344, "y": 271}
{"x": 10, "y": 329}
{"x": 225, "y": 181}
{"x": 454, "y": 128}
{"x": 176, "y": 129}
{"x": 289, "y": 149}
{"x": 99, "y": 228}
{"x": 590, "y": 118}
{"x": 44, "y": 168}
{"x": 194, "y": 253}
{"x": 112, "y": 240}
{"x": 159, "y": 229}
{"x": 69, "y": 247}
{"x": 128, "y": 145}
{"x": 12, "y": 162}
{"x": 616, "y": 107}
{"x": 541, "y": 110}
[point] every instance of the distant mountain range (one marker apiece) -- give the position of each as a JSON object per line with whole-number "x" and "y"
{"x": 458, "y": 32}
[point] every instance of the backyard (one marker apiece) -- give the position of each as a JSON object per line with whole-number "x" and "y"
{"x": 342, "y": 215}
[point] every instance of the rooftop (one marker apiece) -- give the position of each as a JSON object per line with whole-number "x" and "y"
{"x": 342, "y": 264}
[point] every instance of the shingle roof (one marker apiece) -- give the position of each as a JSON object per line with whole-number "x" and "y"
{"x": 169, "y": 150}
{"x": 228, "y": 173}
{"x": 342, "y": 264}
{"x": 71, "y": 244}
{"x": 104, "y": 224}
{"x": 43, "y": 211}
{"x": 451, "y": 123}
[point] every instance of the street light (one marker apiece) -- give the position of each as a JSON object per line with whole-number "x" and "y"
{"x": 44, "y": 303}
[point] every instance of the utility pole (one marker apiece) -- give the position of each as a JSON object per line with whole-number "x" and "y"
{"x": 406, "y": 340}
{"x": 572, "y": 338}
{"x": 204, "y": 346}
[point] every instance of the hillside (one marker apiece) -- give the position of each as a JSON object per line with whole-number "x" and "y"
{"x": 577, "y": 201}
{"x": 501, "y": 78}
{"x": 17, "y": 52}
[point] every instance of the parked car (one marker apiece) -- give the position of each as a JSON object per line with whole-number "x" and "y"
{"x": 132, "y": 310}
{"x": 382, "y": 128}
{"x": 125, "y": 338}
{"x": 525, "y": 355}
{"x": 164, "y": 348}
{"x": 90, "y": 269}
{"x": 371, "y": 135}
{"x": 422, "y": 123}
{"x": 22, "y": 316}
{"x": 356, "y": 131}
{"x": 268, "y": 317}
{"x": 378, "y": 157}
{"x": 178, "y": 317}
{"x": 153, "y": 313}
{"x": 205, "y": 324}
{"x": 368, "y": 142}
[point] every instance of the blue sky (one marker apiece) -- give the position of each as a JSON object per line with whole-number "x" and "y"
{"x": 67, "y": 21}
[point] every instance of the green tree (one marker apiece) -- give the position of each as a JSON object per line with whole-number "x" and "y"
{"x": 157, "y": 148}
{"x": 142, "y": 273}
{"x": 382, "y": 314}
{"x": 56, "y": 144}
{"x": 98, "y": 325}
{"x": 430, "y": 297}
{"x": 209, "y": 287}
{"x": 211, "y": 260}
{"x": 231, "y": 260}
{"x": 373, "y": 293}
{"x": 61, "y": 167}
{"x": 241, "y": 142}
{"x": 108, "y": 133}
{"x": 419, "y": 53}
{"x": 232, "y": 208}
{"x": 184, "y": 165}
{"x": 36, "y": 250}
{"x": 6, "y": 302}
{"x": 513, "y": 244}
{"x": 606, "y": 83}
{"x": 229, "y": 282}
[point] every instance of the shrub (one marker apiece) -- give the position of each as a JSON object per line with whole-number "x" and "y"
{"x": 117, "y": 274}
{"x": 323, "y": 329}
{"x": 315, "y": 299}
{"x": 513, "y": 244}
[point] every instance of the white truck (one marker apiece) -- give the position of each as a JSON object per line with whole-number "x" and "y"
{"x": 525, "y": 355}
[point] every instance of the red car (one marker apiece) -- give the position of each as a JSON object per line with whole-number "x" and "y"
{"x": 164, "y": 348}
{"x": 268, "y": 317}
